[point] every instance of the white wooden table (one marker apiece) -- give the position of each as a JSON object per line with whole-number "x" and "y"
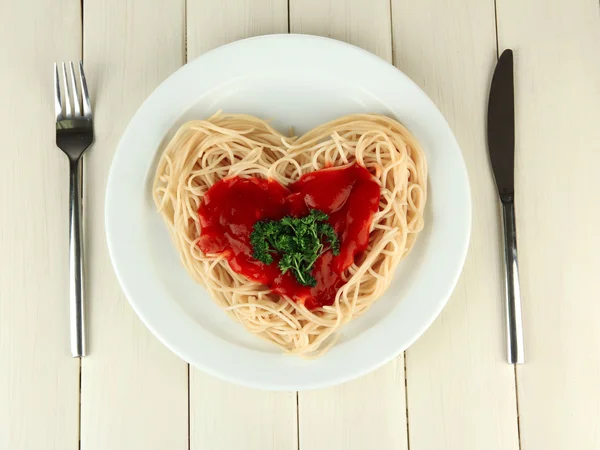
{"x": 452, "y": 389}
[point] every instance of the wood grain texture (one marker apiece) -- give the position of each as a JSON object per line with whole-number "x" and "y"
{"x": 39, "y": 381}
{"x": 557, "y": 81}
{"x": 224, "y": 416}
{"x": 134, "y": 391}
{"x": 461, "y": 392}
{"x": 211, "y": 23}
{"x": 369, "y": 412}
{"x": 365, "y": 24}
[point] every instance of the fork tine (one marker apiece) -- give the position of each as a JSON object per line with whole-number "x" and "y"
{"x": 76, "y": 102}
{"x": 57, "y": 104}
{"x": 68, "y": 113}
{"x": 87, "y": 107}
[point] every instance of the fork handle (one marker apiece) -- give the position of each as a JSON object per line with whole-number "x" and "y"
{"x": 76, "y": 305}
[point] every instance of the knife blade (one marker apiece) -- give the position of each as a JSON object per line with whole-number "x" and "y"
{"x": 501, "y": 147}
{"x": 501, "y": 125}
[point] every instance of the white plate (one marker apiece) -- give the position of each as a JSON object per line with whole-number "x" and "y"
{"x": 298, "y": 81}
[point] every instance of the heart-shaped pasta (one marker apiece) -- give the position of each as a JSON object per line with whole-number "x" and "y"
{"x": 204, "y": 152}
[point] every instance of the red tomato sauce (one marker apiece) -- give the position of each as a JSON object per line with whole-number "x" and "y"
{"x": 231, "y": 207}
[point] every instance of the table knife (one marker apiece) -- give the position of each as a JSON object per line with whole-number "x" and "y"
{"x": 501, "y": 147}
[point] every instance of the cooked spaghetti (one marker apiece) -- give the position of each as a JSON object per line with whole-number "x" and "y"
{"x": 203, "y": 152}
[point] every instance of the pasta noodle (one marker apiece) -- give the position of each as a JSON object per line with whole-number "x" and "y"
{"x": 203, "y": 152}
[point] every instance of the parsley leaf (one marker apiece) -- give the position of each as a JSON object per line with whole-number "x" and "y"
{"x": 298, "y": 241}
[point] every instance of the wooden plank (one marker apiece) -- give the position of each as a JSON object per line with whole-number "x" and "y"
{"x": 211, "y": 23}
{"x": 365, "y": 413}
{"x": 369, "y": 412}
{"x": 461, "y": 392}
{"x": 224, "y": 416}
{"x": 39, "y": 381}
{"x": 359, "y": 22}
{"x": 557, "y": 70}
{"x": 134, "y": 391}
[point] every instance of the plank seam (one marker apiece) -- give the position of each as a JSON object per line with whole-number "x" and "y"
{"x": 496, "y": 28}
{"x": 517, "y": 406}
{"x": 393, "y": 59}
{"x": 189, "y": 389}
{"x": 189, "y": 429}
{"x": 185, "y": 42}
{"x": 406, "y": 402}
{"x": 297, "y": 421}
{"x": 81, "y": 8}
{"x": 79, "y": 402}
{"x": 514, "y": 366}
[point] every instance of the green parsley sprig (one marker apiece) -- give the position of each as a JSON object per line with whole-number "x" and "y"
{"x": 298, "y": 241}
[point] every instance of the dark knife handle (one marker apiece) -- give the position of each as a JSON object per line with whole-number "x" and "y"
{"x": 514, "y": 325}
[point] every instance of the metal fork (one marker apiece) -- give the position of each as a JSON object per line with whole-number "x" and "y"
{"x": 74, "y": 134}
